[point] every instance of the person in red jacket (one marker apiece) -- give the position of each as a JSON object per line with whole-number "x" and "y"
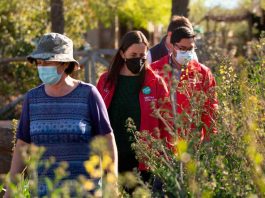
{"x": 191, "y": 80}
{"x": 165, "y": 47}
{"x": 128, "y": 88}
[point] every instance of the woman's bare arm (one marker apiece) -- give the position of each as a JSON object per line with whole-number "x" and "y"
{"x": 17, "y": 164}
{"x": 113, "y": 151}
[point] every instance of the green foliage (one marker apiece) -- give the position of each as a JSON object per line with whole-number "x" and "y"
{"x": 23, "y": 22}
{"x": 134, "y": 13}
{"x": 231, "y": 164}
{"x": 20, "y": 24}
{"x": 142, "y": 12}
{"x": 1, "y": 188}
{"x": 105, "y": 10}
{"x": 99, "y": 166}
{"x": 197, "y": 10}
{"x": 225, "y": 32}
{"x": 79, "y": 17}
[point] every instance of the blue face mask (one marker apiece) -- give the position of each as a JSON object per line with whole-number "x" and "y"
{"x": 183, "y": 57}
{"x": 49, "y": 75}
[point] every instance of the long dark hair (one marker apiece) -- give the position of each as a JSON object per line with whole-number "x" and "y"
{"x": 130, "y": 38}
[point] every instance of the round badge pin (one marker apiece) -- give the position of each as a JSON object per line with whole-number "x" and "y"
{"x": 146, "y": 90}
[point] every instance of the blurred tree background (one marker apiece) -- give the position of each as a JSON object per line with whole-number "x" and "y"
{"x": 23, "y": 22}
{"x": 229, "y": 41}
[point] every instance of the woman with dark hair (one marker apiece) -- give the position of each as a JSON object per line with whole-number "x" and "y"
{"x": 62, "y": 114}
{"x": 128, "y": 89}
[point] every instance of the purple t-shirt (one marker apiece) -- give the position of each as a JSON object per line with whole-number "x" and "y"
{"x": 64, "y": 126}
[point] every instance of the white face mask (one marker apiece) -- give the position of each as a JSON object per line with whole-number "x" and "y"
{"x": 184, "y": 57}
{"x": 49, "y": 75}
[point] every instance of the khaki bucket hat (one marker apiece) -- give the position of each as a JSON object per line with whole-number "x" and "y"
{"x": 54, "y": 47}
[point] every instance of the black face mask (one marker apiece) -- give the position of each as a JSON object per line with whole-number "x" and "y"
{"x": 135, "y": 65}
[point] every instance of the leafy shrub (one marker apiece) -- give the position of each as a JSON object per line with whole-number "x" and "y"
{"x": 231, "y": 164}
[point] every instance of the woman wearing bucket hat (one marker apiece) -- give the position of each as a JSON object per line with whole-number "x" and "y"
{"x": 63, "y": 114}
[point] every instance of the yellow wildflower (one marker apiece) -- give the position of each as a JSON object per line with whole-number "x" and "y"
{"x": 91, "y": 164}
{"x": 253, "y": 99}
{"x": 106, "y": 162}
{"x": 181, "y": 147}
{"x": 94, "y": 159}
{"x": 111, "y": 178}
{"x": 89, "y": 167}
{"x": 96, "y": 173}
{"x": 89, "y": 185}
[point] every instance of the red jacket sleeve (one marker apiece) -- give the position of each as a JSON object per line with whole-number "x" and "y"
{"x": 100, "y": 84}
{"x": 210, "y": 107}
{"x": 164, "y": 105}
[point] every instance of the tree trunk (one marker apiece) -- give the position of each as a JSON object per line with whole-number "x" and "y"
{"x": 57, "y": 16}
{"x": 180, "y": 7}
{"x": 106, "y": 36}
